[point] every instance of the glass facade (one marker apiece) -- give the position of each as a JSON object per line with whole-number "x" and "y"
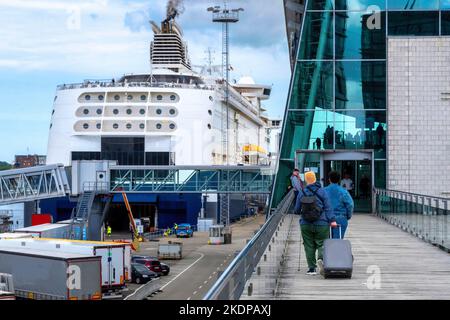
{"x": 338, "y": 95}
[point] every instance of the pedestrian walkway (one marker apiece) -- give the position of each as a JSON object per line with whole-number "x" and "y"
{"x": 389, "y": 264}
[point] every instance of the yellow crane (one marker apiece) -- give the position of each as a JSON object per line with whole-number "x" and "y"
{"x": 136, "y": 238}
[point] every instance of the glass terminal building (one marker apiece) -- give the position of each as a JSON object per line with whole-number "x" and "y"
{"x": 336, "y": 116}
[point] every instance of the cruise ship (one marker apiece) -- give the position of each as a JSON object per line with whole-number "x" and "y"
{"x": 171, "y": 115}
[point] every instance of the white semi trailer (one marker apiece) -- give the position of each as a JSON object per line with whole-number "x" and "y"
{"x": 115, "y": 257}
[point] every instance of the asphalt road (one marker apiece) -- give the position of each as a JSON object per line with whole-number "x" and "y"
{"x": 192, "y": 277}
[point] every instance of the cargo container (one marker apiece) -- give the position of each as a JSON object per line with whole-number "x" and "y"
{"x": 49, "y": 230}
{"x": 116, "y": 257}
{"x": 45, "y": 275}
{"x": 171, "y": 250}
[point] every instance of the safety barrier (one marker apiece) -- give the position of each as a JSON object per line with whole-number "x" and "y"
{"x": 426, "y": 217}
{"x": 231, "y": 283}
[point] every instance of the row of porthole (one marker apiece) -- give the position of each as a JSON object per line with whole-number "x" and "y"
{"x": 129, "y": 97}
{"x": 129, "y": 111}
{"x": 129, "y": 126}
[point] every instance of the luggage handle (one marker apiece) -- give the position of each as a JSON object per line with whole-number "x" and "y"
{"x": 340, "y": 232}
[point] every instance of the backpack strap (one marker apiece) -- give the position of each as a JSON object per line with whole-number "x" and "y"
{"x": 314, "y": 193}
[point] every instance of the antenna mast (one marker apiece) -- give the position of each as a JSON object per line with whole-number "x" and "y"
{"x": 225, "y": 16}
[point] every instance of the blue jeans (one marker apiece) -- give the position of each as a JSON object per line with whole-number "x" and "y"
{"x": 344, "y": 224}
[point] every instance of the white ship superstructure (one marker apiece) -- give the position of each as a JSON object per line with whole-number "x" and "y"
{"x": 171, "y": 115}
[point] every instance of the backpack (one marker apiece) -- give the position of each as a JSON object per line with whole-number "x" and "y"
{"x": 310, "y": 211}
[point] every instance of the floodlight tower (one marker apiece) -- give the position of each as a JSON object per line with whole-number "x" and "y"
{"x": 225, "y": 16}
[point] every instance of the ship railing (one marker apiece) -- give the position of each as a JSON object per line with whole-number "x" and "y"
{"x": 111, "y": 84}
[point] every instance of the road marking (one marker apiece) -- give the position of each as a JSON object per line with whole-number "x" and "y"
{"x": 200, "y": 287}
{"x": 205, "y": 282}
{"x": 134, "y": 292}
{"x": 201, "y": 257}
{"x": 194, "y": 293}
{"x": 188, "y": 298}
{"x": 210, "y": 277}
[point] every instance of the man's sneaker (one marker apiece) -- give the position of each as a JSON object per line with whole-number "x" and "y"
{"x": 320, "y": 267}
{"x": 311, "y": 272}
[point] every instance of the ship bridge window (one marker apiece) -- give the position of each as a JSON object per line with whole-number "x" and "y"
{"x": 267, "y": 92}
{"x": 173, "y": 97}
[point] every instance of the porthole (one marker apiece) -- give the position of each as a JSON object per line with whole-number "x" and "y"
{"x": 142, "y": 126}
{"x": 56, "y": 97}
{"x": 99, "y": 126}
{"x": 85, "y": 126}
{"x": 159, "y": 97}
{"x": 51, "y": 125}
{"x": 142, "y": 111}
{"x": 129, "y": 111}
{"x": 115, "y": 126}
{"x": 172, "y": 126}
{"x": 172, "y": 111}
{"x": 173, "y": 98}
{"x": 87, "y": 97}
{"x": 53, "y": 112}
{"x": 158, "y": 111}
{"x": 117, "y": 97}
{"x": 209, "y": 126}
{"x": 158, "y": 126}
{"x": 99, "y": 111}
{"x": 211, "y": 98}
{"x": 129, "y": 126}
{"x": 210, "y": 112}
{"x": 116, "y": 111}
{"x": 86, "y": 111}
{"x": 101, "y": 97}
{"x": 143, "y": 97}
{"x": 130, "y": 97}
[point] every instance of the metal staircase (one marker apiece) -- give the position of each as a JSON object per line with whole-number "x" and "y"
{"x": 80, "y": 216}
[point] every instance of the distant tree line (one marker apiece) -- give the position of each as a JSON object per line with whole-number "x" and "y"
{"x": 5, "y": 166}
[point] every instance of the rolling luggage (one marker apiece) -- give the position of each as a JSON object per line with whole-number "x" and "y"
{"x": 337, "y": 257}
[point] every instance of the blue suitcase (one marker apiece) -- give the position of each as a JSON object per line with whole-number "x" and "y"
{"x": 337, "y": 257}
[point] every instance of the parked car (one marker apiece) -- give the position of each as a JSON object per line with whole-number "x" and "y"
{"x": 165, "y": 269}
{"x": 151, "y": 263}
{"x": 141, "y": 274}
{"x": 184, "y": 230}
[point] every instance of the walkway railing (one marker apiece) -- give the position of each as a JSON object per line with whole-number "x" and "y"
{"x": 231, "y": 283}
{"x": 426, "y": 217}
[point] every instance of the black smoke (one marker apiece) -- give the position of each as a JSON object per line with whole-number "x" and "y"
{"x": 174, "y": 9}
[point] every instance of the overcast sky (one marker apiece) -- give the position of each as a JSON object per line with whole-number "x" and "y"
{"x": 44, "y": 43}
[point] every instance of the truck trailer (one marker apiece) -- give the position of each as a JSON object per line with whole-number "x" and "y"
{"x": 115, "y": 257}
{"x": 47, "y": 275}
{"x": 49, "y": 230}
